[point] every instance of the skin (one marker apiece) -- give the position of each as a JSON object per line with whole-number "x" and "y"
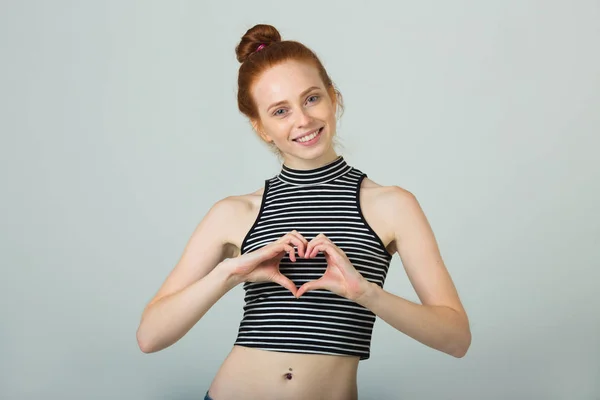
{"x": 211, "y": 263}
{"x": 286, "y": 111}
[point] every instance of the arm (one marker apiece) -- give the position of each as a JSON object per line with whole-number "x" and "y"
{"x": 195, "y": 284}
{"x": 440, "y": 321}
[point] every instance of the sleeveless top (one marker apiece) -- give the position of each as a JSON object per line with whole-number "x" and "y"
{"x": 322, "y": 200}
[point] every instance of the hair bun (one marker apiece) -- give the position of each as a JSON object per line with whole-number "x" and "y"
{"x": 253, "y": 38}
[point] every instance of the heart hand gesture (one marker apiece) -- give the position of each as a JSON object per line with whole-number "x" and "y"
{"x": 340, "y": 277}
{"x": 262, "y": 265}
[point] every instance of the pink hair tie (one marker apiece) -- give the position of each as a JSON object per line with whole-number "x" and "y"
{"x": 262, "y": 46}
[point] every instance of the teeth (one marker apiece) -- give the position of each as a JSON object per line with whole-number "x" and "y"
{"x": 309, "y": 137}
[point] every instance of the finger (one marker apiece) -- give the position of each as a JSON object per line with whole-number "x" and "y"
{"x": 330, "y": 250}
{"x": 299, "y": 235}
{"x": 311, "y": 285}
{"x": 278, "y": 249}
{"x": 299, "y": 241}
{"x": 299, "y": 245}
{"x": 290, "y": 250}
{"x": 296, "y": 239}
{"x": 321, "y": 246}
{"x": 310, "y": 248}
{"x": 286, "y": 283}
{"x": 321, "y": 236}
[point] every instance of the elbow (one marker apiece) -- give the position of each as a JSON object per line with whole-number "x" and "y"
{"x": 145, "y": 335}
{"x": 143, "y": 342}
{"x": 461, "y": 346}
{"x": 461, "y": 339}
{"x": 146, "y": 339}
{"x": 149, "y": 341}
{"x": 147, "y": 346}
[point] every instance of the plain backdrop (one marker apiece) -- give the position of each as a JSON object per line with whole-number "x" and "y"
{"x": 120, "y": 129}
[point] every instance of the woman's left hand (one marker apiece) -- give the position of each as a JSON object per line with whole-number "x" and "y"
{"x": 340, "y": 277}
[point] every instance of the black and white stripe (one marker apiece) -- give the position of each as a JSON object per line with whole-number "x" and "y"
{"x": 322, "y": 200}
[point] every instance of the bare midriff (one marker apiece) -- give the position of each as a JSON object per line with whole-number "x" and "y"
{"x": 250, "y": 374}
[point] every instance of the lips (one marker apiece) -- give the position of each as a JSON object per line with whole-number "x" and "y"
{"x": 308, "y": 133}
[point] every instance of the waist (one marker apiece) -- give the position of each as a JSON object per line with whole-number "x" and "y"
{"x": 319, "y": 322}
{"x": 259, "y": 374}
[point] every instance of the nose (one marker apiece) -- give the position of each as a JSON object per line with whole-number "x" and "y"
{"x": 303, "y": 118}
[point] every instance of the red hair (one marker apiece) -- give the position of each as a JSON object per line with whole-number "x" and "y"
{"x": 273, "y": 51}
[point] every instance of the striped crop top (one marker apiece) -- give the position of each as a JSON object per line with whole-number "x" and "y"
{"x": 322, "y": 200}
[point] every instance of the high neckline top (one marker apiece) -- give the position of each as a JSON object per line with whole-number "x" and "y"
{"x": 323, "y": 200}
{"x": 314, "y": 176}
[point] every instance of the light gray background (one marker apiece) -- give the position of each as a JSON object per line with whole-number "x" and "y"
{"x": 120, "y": 129}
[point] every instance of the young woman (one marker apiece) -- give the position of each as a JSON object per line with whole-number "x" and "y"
{"x": 312, "y": 249}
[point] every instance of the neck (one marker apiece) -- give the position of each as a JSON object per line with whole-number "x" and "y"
{"x": 315, "y": 176}
{"x": 307, "y": 164}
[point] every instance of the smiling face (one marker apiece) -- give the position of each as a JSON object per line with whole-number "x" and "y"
{"x": 297, "y": 114}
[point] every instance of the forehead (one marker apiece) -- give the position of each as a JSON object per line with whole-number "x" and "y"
{"x": 285, "y": 81}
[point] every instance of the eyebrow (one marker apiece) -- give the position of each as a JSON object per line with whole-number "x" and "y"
{"x": 301, "y": 95}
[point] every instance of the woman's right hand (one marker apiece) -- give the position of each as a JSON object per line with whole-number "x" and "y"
{"x": 262, "y": 265}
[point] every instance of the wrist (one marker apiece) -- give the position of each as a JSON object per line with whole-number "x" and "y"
{"x": 369, "y": 294}
{"x": 225, "y": 275}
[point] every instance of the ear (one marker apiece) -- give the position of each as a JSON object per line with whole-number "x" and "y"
{"x": 260, "y": 131}
{"x": 333, "y": 96}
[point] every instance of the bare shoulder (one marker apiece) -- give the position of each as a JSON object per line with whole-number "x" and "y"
{"x": 236, "y": 206}
{"x": 387, "y": 191}
{"x": 382, "y": 205}
{"x": 414, "y": 240}
{"x": 214, "y": 239}
{"x": 392, "y": 198}
{"x": 240, "y": 212}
